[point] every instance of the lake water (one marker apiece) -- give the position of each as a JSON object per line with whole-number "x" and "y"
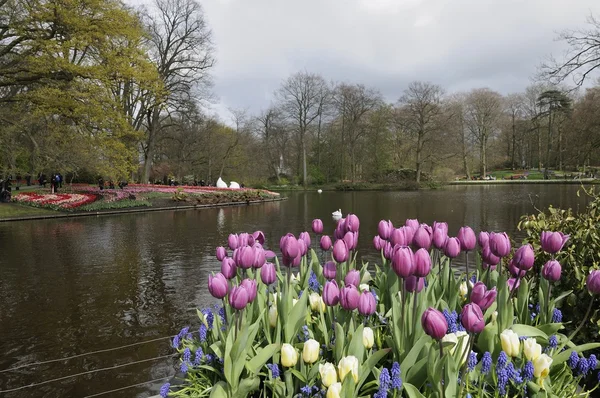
{"x": 73, "y": 286}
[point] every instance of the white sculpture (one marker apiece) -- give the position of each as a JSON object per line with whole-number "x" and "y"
{"x": 319, "y": 190}
{"x": 234, "y": 185}
{"x": 337, "y": 215}
{"x": 221, "y": 183}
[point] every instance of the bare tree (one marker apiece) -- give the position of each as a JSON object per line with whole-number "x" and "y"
{"x": 482, "y": 118}
{"x": 552, "y": 103}
{"x": 515, "y": 109}
{"x": 455, "y": 114}
{"x": 422, "y": 102}
{"x": 300, "y": 98}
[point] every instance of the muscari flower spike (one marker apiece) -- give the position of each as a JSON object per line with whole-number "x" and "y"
{"x": 502, "y": 360}
{"x": 274, "y": 370}
{"x": 385, "y": 382}
{"x": 164, "y": 390}
{"x": 557, "y": 316}
{"x": 396, "y": 378}
{"x": 472, "y": 361}
{"x": 486, "y": 363}
{"x": 313, "y": 283}
{"x": 573, "y": 360}
{"x": 528, "y": 371}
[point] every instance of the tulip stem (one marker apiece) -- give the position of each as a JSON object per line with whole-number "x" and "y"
{"x": 515, "y": 286}
{"x": 467, "y": 265}
{"x": 548, "y": 315}
{"x": 587, "y": 314}
{"x": 442, "y": 379}
{"x": 414, "y": 320}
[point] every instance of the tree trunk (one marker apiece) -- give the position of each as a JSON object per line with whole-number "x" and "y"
{"x": 560, "y": 149}
{"x": 514, "y": 141}
{"x": 419, "y": 150}
{"x": 482, "y": 157}
{"x": 304, "y": 182}
{"x": 539, "y": 136}
{"x": 549, "y": 147}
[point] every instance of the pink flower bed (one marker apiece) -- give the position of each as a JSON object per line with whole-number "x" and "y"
{"x": 62, "y": 200}
{"x": 119, "y": 194}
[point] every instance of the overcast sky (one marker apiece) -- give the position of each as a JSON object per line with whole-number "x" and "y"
{"x": 385, "y": 44}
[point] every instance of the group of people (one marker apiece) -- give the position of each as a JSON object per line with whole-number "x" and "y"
{"x": 56, "y": 181}
{"x": 111, "y": 184}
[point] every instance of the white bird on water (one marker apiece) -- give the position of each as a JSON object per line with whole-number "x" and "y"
{"x": 319, "y": 191}
{"x": 337, "y": 215}
{"x": 221, "y": 183}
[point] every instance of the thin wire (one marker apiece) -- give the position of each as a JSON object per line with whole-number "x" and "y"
{"x": 124, "y": 388}
{"x": 82, "y": 355}
{"x": 88, "y": 372}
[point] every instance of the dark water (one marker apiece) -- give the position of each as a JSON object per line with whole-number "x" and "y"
{"x": 73, "y": 286}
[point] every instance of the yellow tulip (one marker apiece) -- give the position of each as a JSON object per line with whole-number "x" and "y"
{"x": 541, "y": 366}
{"x": 328, "y": 374}
{"x": 531, "y": 349}
{"x": 347, "y": 365}
{"x": 289, "y": 355}
{"x": 364, "y": 287}
{"x": 316, "y": 302}
{"x": 334, "y": 390}
{"x": 368, "y": 339}
{"x": 463, "y": 290}
{"x": 510, "y": 343}
{"x": 273, "y": 316}
{"x": 460, "y": 338}
{"x": 310, "y": 352}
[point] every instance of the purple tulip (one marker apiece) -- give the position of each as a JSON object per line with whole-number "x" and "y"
{"x": 245, "y": 239}
{"x": 488, "y": 256}
{"x": 269, "y": 254}
{"x": 228, "y": 268}
{"x": 331, "y": 293}
{"x": 259, "y": 237}
{"x": 244, "y": 257}
{"x": 340, "y": 251}
{"x": 593, "y": 282}
{"x": 302, "y": 247}
{"x": 221, "y": 253}
{"x": 409, "y": 232}
{"x": 486, "y": 266}
{"x": 412, "y": 223}
{"x": 385, "y": 229}
{"x": 483, "y": 297}
{"x": 513, "y": 283}
{"x": 340, "y": 229}
{"x": 352, "y": 278}
{"x": 422, "y": 263}
{"x": 422, "y": 238}
{"x": 439, "y": 238}
{"x": 388, "y": 251}
{"x": 232, "y": 241}
{"x": 399, "y": 237}
{"x": 217, "y": 285}
{"x": 289, "y": 246}
{"x": 349, "y": 297}
{"x": 452, "y": 247}
{"x": 553, "y": 242}
{"x": 499, "y": 244}
{"x": 440, "y": 225}
{"x": 326, "y": 242}
{"x": 434, "y": 323}
{"x": 259, "y": 256}
{"x": 352, "y": 223}
{"x": 412, "y": 284}
{"x": 317, "y": 226}
{"x": 250, "y": 286}
{"x": 403, "y": 261}
{"x": 524, "y": 257}
{"x": 515, "y": 271}
{"x": 330, "y": 270}
{"x": 366, "y": 304}
{"x": 551, "y": 271}
{"x": 268, "y": 273}
{"x": 378, "y": 243}
{"x": 472, "y": 318}
{"x": 483, "y": 239}
{"x": 238, "y": 297}
{"x": 349, "y": 239}
{"x": 305, "y": 236}
{"x": 467, "y": 239}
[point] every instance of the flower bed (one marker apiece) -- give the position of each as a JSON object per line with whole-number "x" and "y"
{"x": 64, "y": 201}
{"x": 304, "y": 328}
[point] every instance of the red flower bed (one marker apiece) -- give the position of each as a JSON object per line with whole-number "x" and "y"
{"x": 56, "y": 200}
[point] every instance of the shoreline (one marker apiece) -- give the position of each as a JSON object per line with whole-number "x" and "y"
{"x": 140, "y": 210}
{"x": 555, "y": 181}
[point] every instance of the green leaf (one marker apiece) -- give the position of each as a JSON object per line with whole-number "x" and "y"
{"x": 417, "y": 374}
{"x": 219, "y": 390}
{"x": 412, "y": 391}
{"x": 247, "y": 385}
{"x": 414, "y": 352}
{"x": 369, "y": 364}
{"x": 255, "y": 364}
{"x": 295, "y": 319}
{"x": 563, "y": 356}
{"x": 526, "y": 330}
{"x": 356, "y": 346}
{"x": 339, "y": 341}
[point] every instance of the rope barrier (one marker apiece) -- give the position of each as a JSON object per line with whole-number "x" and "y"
{"x": 124, "y": 388}
{"x": 82, "y": 355}
{"x": 88, "y": 372}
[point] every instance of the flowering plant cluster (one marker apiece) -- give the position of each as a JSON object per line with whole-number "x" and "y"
{"x": 55, "y": 200}
{"x": 296, "y": 326}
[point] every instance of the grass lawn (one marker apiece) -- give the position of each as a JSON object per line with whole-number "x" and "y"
{"x": 9, "y": 210}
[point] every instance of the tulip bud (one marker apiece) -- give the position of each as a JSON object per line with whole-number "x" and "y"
{"x": 317, "y": 226}
{"x": 510, "y": 343}
{"x": 328, "y": 374}
{"x": 467, "y": 239}
{"x": 366, "y": 304}
{"x": 268, "y": 273}
{"x": 398, "y": 237}
{"x": 259, "y": 237}
{"x": 422, "y": 263}
{"x": 348, "y": 365}
{"x": 340, "y": 229}
{"x": 513, "y": 283}
{"x": 228, "y": 268}
{"x": 483, "y": 297}
{"x": 289, "y": 355}
{"x": 483, "y": 239}
{"x": 310, "y": 352}
{"x": 488, "y": 256}
{"x": 454, "y": 338}
{"x": 439, "y": 238}
{"x": 541, "y": 366}
{"x": 422, "y": 237}
{"x": 305, "y": 236}
{"x": 388, "y": 251}
{"x": 368, "y": 338}
{"x": 463, "y": 289}
{"x": 593, "y": 282}
{"x": 452, "y": 247}
{"x": 524, "y": 257}
{"x": 221, "y": 253}
{"x": 352, "y": 278}
{"x": 289, "y": 246}
{"x": 349, "y": 297}
{"x": 340, "y": 251}
{"x": 302, "y": 248}
{"x": 325, "y": 242}
{"x": 551, "y": 271}
{"x": 553, "y": 242}
{"x": 409, "y": 232}
{"x": 403, "y": 261}
{"x": 259, "y": 256}
{"x": 515, "y": 271}
{"x": 499, "y": 244}
{"x": 472, "y": 318}
{"x": 331, "y": 293}
{"x": 316, "y": 302}
{"x": 232, "y": 241}
{"x": 273, "y": 316}
{"x": 239, "y": 297}
{"x": 531, "y": 349}
{"x": 414, "y": 284}
{"x": 434, "y": 323}
{"x": 217, "y": 285}
{"x": 364, "y": 287}
{"x": 440, "y": 225}
{"x": 378, "y": 243}
{"x": 244, "y": 257}
{"x": 352, "y": 223}
{"x": 245, "y": 239}
{"x": 329, "y": 270}
{"x": 412, "y": 223}
{"x": 334, "y": 390}
{"x": 385, "y": 229}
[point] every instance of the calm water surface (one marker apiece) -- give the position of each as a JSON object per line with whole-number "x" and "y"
{"x": 78, "y": 285}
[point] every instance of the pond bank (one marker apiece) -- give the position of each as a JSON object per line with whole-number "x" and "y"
{"x": 556, "y": 181}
